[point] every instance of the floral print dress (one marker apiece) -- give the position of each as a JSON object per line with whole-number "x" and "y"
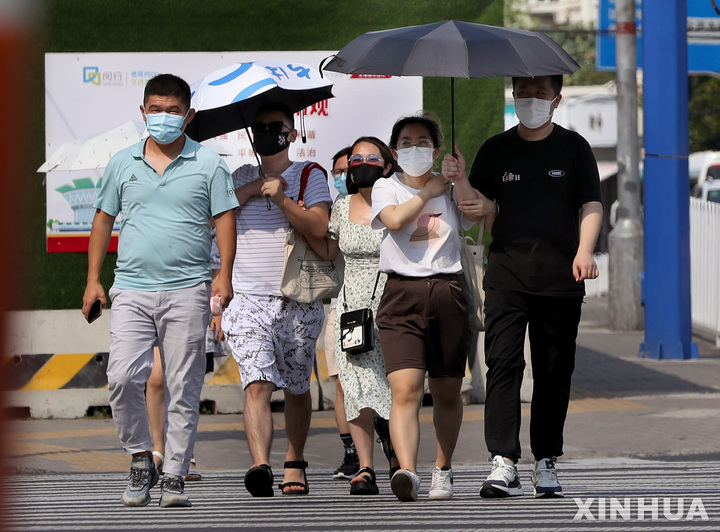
{"x": 362, "y": 376}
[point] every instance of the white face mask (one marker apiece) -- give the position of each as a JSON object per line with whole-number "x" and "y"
{"x": 415, "y": 161}
{"x": 533, "y": 112}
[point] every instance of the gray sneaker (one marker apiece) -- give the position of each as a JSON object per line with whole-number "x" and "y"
{"x": 143, "y": 476}
{"x": 172, "y": 492}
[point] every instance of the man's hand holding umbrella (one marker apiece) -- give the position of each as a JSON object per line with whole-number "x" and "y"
{"x": 473, "y": 204}
{"x": 273, "y": 187}
{"x": 255, "y": 187}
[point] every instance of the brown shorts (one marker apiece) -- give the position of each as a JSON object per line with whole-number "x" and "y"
{"x": 424, "y": 324}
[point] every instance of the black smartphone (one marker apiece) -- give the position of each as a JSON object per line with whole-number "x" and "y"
{"x": 95, "y": 311}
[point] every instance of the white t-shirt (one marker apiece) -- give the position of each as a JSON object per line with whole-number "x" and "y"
{"x": 261, "y": 233}
{"x": 429, "y": 245}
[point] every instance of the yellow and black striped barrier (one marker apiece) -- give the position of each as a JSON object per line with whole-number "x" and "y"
{"x": 56, "y": 367}
{"x": 56, "y": 372}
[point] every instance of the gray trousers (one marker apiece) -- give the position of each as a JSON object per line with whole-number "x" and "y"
{"x": 177, "y": 319}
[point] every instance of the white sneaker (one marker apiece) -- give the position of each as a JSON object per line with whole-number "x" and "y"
{"x": 405, "y": 485}
{"x": 544, "y": 479}
{"x": 441, "y": 488}
{"x": 503, "y": 480}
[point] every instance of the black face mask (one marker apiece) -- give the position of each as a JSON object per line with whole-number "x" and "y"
{"x": 270, "y": 143}
{"x": 365, "y": 175}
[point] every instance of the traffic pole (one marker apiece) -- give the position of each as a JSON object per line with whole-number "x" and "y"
{"x": 626, "y": 238}
{"x": 666, "y": 282}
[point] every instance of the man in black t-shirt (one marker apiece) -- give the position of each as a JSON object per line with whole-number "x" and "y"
{"x": 538, "y": 187}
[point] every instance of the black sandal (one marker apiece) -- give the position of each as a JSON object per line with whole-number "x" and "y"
{"x": 383, "y": 432}
{"x": 259, "y": 481}
{"x": 366, "y": 487}
{"x": 297, "y": 464}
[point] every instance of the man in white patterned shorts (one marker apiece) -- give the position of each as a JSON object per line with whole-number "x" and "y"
{"x": 273, "y": 339}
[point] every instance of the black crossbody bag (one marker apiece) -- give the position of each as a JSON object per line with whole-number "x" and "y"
{"x": 356, "y": 327}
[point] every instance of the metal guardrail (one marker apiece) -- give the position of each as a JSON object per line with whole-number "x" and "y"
{"x": 705, "y": 265}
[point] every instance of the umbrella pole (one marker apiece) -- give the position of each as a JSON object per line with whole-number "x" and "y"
{"x": 452, "y": 116}
{"x": 252, "y": 145}
{"x": 260, "y": 168}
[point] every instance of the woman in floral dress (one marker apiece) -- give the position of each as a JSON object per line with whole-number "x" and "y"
{"x": 363, "y": 379}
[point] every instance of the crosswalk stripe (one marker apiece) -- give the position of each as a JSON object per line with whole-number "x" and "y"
{"x": 83, "y": 501}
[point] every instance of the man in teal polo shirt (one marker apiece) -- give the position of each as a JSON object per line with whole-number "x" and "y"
{"x": 167, "y": 188}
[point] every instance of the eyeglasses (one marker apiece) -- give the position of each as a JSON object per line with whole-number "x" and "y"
{"x": 270, "y": 127}
{"x": 372, "y": 159}
{"x": 422, "y": 143}
{"x": 338, "y": 173}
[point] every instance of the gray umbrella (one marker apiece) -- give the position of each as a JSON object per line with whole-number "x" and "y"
{"x": 453, "y": 49}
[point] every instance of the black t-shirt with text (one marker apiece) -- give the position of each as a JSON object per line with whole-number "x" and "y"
{"x": 540, "y": 187}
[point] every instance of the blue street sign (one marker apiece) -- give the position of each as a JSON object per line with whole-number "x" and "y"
{"x": 703, "y": 25}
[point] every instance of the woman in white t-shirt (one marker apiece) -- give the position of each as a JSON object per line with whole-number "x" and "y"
{"x": 362, "y": 375}
{"x": 423, "y": 314}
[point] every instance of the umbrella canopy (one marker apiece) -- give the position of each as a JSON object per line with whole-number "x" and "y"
{"x": 453, "y": 49}
{"x": 95, "y": 151}
{"x": 227, "y": 99}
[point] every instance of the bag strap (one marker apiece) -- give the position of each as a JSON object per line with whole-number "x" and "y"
{"x": 372, "y": 298}
{"x": 306, "y": 174}
{"x": 304, "y": 178}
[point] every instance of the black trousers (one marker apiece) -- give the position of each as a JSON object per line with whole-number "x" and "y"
{"x": 552, "y": 324}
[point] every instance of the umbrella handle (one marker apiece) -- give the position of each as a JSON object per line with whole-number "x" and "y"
{"x": 262, "y": 174}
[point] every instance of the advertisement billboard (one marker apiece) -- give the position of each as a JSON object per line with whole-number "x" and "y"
{"x": 89, "y": 94}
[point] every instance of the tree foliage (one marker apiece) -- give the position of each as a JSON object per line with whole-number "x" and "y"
{"x": 580, "y": 42}
{"x": 704, "y": 113}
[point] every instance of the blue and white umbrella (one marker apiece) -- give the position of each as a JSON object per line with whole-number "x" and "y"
{"x": 228, "y": 99}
